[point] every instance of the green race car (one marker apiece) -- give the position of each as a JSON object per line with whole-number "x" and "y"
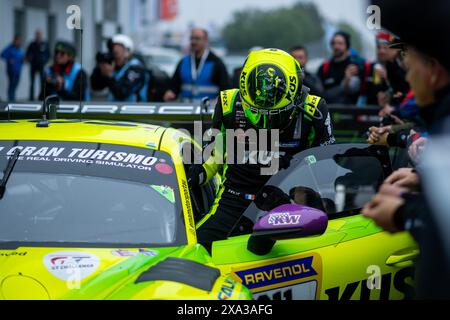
{"x": 102, "y": 210}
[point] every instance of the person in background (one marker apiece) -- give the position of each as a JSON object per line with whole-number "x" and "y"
{"x": 310, "y": 80}
{"x": 38, "y": 54}
{"x": 65, "y": 77}
{"x": 377, "y": 78}
{"x": 124, "y": 75}
{"x": 398, "y": 87}
{"x": 199, "y": 74}
{"x": 14, "y": 57}
{"x": 343, "y": 74}
{"x": 237, "y": 71}
{"x": 403, "y": 202}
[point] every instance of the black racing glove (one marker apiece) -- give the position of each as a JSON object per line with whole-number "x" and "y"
{"x": 196, "y": 175}
{"x": 271, "y": 197}
{"x": 285, "y": 161}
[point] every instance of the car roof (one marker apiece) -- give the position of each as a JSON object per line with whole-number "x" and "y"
{"x": 159, "y": 51}
{"x": 98, "y": 131}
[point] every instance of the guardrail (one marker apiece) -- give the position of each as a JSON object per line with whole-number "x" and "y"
{"x": 350, "y": 122}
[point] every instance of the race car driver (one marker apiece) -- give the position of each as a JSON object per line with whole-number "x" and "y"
{"x": 270, "y": 96}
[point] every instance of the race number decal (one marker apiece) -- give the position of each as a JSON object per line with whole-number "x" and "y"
{"x": 301, "y": 291}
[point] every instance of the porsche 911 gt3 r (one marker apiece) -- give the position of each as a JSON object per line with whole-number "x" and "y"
{"x": 103, "y": 210}
{"x": 99, "y": 210}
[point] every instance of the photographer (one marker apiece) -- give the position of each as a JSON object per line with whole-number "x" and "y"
{"x": 124, "y": 76}
{"x": 65, "y": 76}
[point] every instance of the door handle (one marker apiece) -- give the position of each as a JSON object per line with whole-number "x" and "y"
{"x": 407, "y": 254}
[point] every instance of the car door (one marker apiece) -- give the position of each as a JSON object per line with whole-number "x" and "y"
{"x": 353, "y": 259}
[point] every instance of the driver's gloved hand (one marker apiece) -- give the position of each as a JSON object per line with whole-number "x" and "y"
{"x": 285, "y": 161}
{"x": 196, "y": 175}
{"x": 271, "y": 197}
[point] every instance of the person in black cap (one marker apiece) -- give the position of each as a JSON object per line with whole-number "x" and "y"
{"x": 342, "y": 75}
{"x": 396, "y": 73}
{"x": 396, "y": 207}
{"x": 65, "y": 76}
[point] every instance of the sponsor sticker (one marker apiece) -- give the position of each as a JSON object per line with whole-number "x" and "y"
{"x": 164, "y": 168}
{"x": 149, "y": 253}
{"x": 124, "y": 253}
{"x": 275, "y": 274}
{"x": 88, "y": 156}
{"x": 166, "y": 191}
{"x": 63, "y": 264}
{"x": 284, "y": 219}
{"x": 226, "y": 291}
{"x": 310, "y": 159}
{"x": 131, "y": 253}
{"x": 13, "y": 253}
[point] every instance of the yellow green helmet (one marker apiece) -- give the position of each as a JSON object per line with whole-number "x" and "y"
{"x": 269, "y": 83}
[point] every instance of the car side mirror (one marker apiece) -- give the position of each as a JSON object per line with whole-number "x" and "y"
{"x": 288, "y": 221}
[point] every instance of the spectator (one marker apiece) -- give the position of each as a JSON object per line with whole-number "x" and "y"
{"x": 377, "y": 78}
{"x": 124, "y": 76}
{"x": 14, "y": 57}
{"x": 237, "y": 71}
{"x": 38, "y": 54}
{"x": 398, "y": 87}
{"x": 342, "y": 75}
{"x": 396, "y": 207}
{"x": 310, "y": 80}
{"x": 65, "y": 77}
{"x": 200, "y": 73}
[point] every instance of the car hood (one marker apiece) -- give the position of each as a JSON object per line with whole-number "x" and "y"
{"x": 94, "y": 273}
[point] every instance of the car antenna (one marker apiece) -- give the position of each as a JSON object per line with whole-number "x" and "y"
{"x": 44, "y": 97}
{"x": 9, "y": 112}
{"x": 81, "y": 72}
{"x": 50, "y": 105}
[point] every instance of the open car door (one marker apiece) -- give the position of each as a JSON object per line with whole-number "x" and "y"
{"x": 350, "y": 258}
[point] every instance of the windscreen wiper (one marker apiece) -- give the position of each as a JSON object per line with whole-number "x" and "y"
{"x": 7, "y": 173}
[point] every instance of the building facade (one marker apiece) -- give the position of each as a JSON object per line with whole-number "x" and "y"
{"x": 100, "y": 20}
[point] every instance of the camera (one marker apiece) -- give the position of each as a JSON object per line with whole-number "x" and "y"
{"x": 104, "y": 57}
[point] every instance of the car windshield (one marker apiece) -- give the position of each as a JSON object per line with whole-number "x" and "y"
{"x": 338, "y": 179}
{"x": 90, "y": 193}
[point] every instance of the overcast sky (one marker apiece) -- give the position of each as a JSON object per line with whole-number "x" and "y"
{"x": 202, "y": 12}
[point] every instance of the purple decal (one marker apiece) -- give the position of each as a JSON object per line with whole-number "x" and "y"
{"x": 293, "y": 216}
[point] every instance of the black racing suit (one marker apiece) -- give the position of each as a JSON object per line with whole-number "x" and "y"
{"x": 241, "y": 182}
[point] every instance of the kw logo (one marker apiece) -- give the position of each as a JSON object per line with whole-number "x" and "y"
{"x": 284, "y": 219}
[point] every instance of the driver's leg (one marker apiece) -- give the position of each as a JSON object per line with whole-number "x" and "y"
{"x": 224, "y": 214}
